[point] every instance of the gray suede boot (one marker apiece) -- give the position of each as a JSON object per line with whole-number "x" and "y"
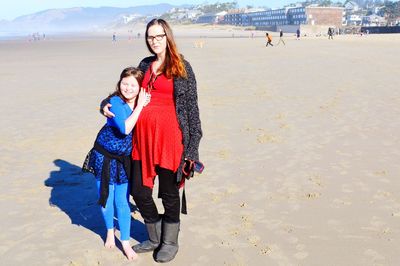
{"x": 169, "y": 245}
{"x": 154, "y": 231}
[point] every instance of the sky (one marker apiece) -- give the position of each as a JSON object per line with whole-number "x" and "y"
{"x": 11, "y": 9}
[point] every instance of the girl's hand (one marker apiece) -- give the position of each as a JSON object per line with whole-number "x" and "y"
{"x": 106, "y": 111}
{"x": 144, "y": 98}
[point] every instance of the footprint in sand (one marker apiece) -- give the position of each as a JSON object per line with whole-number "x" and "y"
{"x": 380, "y": 194}
{"x": 313, "y": 195}
{"x": 247, "y": 222}
{"x": 235, "y": 232}
{"x": 380, "y": 173}
{"x": 266, "y": 250}
{"x": 242, "y": 205}
{"x": 396, "y": 214}
{"x": 281, "y": 116}
{"x": 253, "y": 240}
{"x": 225, "y": 243}
{"x": 268, "y": 138}
{"x": 315, "y": 179}
{"x": 224, "y": 154}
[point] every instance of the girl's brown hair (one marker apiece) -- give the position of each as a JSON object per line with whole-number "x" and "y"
{"x": 127, "y": 72}
{"x": 173, "y": 65}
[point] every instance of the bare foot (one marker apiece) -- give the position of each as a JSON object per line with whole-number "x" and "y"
{"x": 130, "y": 254}
{"x": 110, "y": 241}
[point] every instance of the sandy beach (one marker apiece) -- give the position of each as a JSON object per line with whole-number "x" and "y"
{"x": 300, "y": 148}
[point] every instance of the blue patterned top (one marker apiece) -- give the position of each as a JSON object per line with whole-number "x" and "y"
{"x": 112, "y": 138}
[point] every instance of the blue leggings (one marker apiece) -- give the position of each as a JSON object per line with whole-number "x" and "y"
{"x": 118, "y": 194}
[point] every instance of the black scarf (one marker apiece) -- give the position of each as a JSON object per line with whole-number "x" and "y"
{"x": 105, "y": 172}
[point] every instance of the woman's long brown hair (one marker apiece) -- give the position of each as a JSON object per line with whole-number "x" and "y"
{"x": 173, "y": 65}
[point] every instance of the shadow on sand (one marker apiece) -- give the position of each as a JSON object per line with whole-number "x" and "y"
{"x": 75, "y": 193}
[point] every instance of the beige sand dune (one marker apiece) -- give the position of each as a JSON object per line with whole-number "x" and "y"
{"x": 301, "y": 148}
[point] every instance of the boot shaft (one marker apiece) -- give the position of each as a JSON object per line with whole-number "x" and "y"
{"x": 169, "y": 246}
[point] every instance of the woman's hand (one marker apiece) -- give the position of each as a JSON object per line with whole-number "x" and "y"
{"x": 106, "y": 111}
{"x": 144, "y": 98}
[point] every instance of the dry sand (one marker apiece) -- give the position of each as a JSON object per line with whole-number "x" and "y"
{"x": 301, "y": 147}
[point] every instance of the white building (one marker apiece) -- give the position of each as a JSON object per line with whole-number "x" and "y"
{"x": 354, "y": 20}
{"x": 351, "y": 7}
{"x": 373, "y": 20}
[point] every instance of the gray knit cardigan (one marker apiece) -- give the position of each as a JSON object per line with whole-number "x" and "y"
{"x": 187, "y": 111}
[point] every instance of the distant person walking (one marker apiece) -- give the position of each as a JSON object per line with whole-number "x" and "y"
{"x": 114, "y": 38}
{"x": 280, "y": 38}
{"x": 269, "y": 39}
{"x": 330, "y": 33}
{"x": 298, "y": 34}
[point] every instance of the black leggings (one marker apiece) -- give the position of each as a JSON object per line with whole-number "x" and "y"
{"x": 168, "y": 190}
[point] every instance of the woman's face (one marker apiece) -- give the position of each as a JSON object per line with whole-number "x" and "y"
{"x": 129, "y": 88}
{"x": 157, "y": 39}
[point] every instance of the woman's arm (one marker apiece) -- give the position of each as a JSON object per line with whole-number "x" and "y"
{"x": 192, "y": 108}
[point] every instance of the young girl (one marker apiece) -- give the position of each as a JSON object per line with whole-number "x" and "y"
{"x": 110, "y": 158}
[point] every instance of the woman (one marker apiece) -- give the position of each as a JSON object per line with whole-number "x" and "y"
{"x": 167, "y": 133}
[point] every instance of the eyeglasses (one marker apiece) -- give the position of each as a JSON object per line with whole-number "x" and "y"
{"x": 158, "y": 37}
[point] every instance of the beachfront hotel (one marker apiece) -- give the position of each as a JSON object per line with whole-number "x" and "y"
{"x": 289, "y": 18}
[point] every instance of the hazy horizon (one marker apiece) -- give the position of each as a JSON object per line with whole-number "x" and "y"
{"x": 13, "y": 9}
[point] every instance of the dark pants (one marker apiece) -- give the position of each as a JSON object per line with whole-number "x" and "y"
{"x": 168, "y": 191}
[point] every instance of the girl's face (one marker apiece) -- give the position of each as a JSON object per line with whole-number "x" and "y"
{"x": 129, "y": 88}
{"x": 157, "y": 39}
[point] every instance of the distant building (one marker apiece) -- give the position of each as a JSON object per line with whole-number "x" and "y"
{"x": 217, "y": 18}
{"x": 373, "y": 20}
{"x": 193, "y": 14}
{"x": 351, "y": 7}
{"x": 238, "y": 19}
{"x": 331, "y": 16}
{"x": 221, "y": 17}
{"x": 179, "y": 16}
{"x": 269, "y": 18}
{"x": 353, "y": 20}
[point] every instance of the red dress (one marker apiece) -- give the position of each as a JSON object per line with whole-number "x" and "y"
{"x": 157, "y": 139}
